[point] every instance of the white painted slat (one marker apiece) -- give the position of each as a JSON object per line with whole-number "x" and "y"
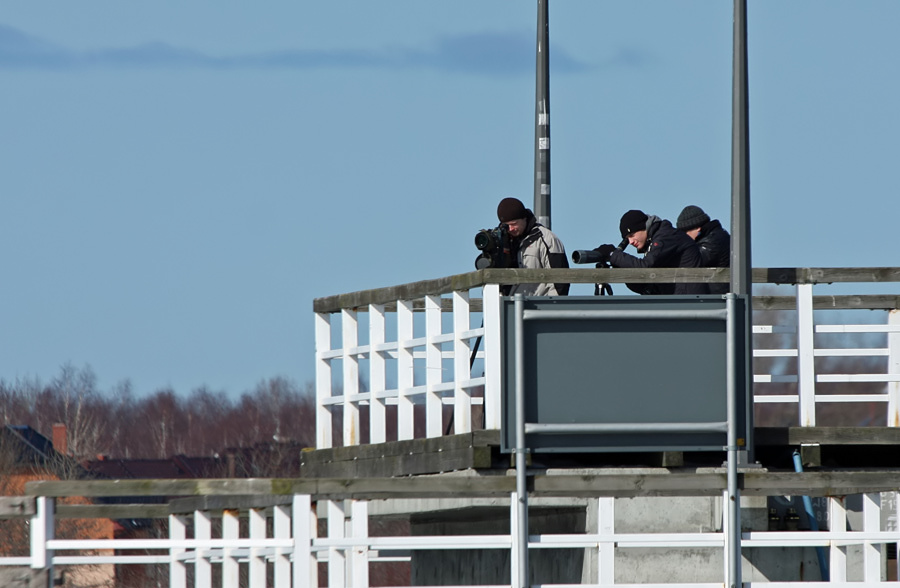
{"x": 377, "y": 373}
{"x": 806, "y": 371}
{"x": 491, "y": 343}
{"x": 281, "y": 529}
{"x": 359, "y": 556}
{"x": 893, "y": 416}
{"x": 231, "y": 525}
{"x": 337, "y": 560}
{"x": 433, "y": 368}
{"x": 871, "y": 550}
{"x": 323, "y": 381}
{"x": 257, "y": 563}
{"x": 202, "y": 565}
{"x": 462, "y": 394}
{"x": 177, "y": 566}
{"x": 837, "y": 523}
{"x": 350, "y": 370}
{"x": 305, "y": 528}
{"x": 405, "y": 370}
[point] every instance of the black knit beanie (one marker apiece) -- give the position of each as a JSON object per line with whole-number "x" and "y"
{"x": 632, "y": 221}
{"x": 691, "y": 218}
{"x": 511, "y": 209}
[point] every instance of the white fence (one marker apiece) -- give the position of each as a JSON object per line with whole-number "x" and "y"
{"x": 389, "y": 357}
{"x": 281, "y": 546}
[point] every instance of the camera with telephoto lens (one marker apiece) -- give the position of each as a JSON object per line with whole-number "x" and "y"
{"x": 593, "y": 256}
{"x": 495, "y": 247}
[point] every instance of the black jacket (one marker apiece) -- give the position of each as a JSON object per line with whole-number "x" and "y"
{"x": 666, "y": 247}
{"x": 715, "y": 251}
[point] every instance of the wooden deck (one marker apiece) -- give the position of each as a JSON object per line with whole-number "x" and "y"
{"x": 821, "y": 447}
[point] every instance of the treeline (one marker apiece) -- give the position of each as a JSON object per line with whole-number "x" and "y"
{"x": 117, "y": 424}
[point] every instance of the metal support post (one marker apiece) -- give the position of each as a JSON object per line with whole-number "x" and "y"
{"x": 733, "y": 498}
{"x": 521, "y": 488}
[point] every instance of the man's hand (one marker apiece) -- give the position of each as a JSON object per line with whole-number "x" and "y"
{"x": 604, "y": 251}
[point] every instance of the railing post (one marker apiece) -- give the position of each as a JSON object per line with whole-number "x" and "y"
{"x": 257, "y": 563}
{"x": 281, "y": 529}
{"x": 837, "y": 523}
{"x": 462, "y": 395}
{"x": 377, "y": 384}
{"x": 492, "y": 375}
{"x": 893, "y": 416}
{"x": 231, "y": 526}
{"x": 350, "y": 369}
{"x": 42, "y": 530}
{"x": 323, "y": 381}
{"x": 177, "y": 565}
{"x": 359, "y": 530}
{"x": 515, "y": 535}
{"x": 806, "y": 369}
{"x": 434, "y": 426}
{"x": 202, "y": 563}
{"x": 871, "y": 550}
{"x": 405, "y": 370}
{"x": 337, "y": 556}
{"x": 606, "y": 547}
{"x": 305, "y": 524}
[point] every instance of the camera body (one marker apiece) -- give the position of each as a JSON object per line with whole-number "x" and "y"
{"x": 496, "y": 248}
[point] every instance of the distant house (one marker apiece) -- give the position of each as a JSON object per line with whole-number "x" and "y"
{"x": 26, "y": 456}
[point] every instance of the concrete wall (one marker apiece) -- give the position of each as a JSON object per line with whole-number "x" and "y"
{"x": 632, "y": 565}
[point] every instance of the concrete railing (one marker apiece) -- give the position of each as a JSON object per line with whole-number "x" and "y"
{"x": 391, "y": 362}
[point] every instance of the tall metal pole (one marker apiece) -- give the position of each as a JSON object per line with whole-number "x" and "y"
{"x": 741, "y": 264}
{"x": 741, "y": 286}
{"x": 741, "y": 270}
{"x": 542, "y": 118}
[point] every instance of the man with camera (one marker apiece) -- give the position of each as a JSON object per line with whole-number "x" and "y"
{"x": 662, "y": 246}
{"x": 533, "y": 246}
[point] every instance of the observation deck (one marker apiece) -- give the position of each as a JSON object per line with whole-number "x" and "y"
{"x": 408, "y": 420}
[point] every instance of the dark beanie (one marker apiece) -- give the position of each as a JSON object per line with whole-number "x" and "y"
{"x": 691, "y": 218}
{"x": 632, "y": 221}
{"x": 511, "y": 209}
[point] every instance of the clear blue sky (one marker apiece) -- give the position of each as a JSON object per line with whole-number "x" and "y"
{"x": 180, "y": 180}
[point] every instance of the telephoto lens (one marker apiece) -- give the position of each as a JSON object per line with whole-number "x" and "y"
{"x": 484, "y": 240}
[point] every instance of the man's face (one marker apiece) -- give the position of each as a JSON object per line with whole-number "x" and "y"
{"x": 516, "y": 227}
{"x": 638, "y": 239}
{"x": 693, "y": 233}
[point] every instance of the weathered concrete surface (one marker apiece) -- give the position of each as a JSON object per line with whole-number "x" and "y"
{"x": 492, "y": 566}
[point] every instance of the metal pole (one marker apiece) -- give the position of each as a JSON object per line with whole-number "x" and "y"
{"x": 521, "y": 489}
{"x": 741, "y": 272}
{"x": 733, "y": 508}
{"x": 542, "y": 120}
{"x": 741, "y": 263}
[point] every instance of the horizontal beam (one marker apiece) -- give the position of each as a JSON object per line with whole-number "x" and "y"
{"x": 607, "y": 483}
{"x": 17, "y": 506}
{"x": 477, "y": 279}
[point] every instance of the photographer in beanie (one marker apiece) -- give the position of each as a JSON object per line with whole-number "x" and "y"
{"x": 714, "y": 241}
{"x": 535, "y": 247}
{"x": 662, "y": 246}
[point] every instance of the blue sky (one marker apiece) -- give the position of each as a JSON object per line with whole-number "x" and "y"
{"x": 180, "y": 181}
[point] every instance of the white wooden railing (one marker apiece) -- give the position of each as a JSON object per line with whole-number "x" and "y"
{"x": 281, "y": 545}
{"x": 410, "y": 346}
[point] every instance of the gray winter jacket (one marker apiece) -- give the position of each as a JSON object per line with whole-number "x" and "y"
{"x": 539, "y": 248}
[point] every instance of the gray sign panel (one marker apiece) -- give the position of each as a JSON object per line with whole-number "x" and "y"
{"x": 625, "y": 373}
